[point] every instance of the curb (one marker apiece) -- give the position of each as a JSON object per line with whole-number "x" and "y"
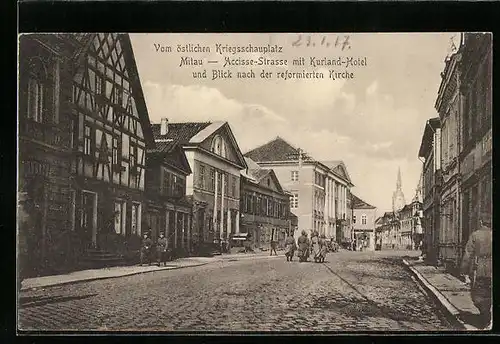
{"x": 110, "y": 277}
{"x": 221, "y": 259}
{"x": 449, "y": 309}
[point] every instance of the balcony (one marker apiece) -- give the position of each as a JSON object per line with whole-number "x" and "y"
{"x": 45, "y": 133}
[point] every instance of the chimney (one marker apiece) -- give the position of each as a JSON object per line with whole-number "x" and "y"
{"x": 164, "y": 126}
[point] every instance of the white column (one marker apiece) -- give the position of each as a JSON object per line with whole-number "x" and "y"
{"x": 214, "y": 220}
{"x": 222, "y": 206}
{"x": 228, "y": 223}
{"x": 189, "y": 231}
{"x": 237, "y": 226}
{"x": 327, "y": 201}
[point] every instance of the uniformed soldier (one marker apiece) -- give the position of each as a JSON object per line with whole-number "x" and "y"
{"x": 477, "y": 264}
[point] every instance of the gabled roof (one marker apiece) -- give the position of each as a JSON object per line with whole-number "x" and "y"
{"x": 194, "y": 133}
{"x": 172, "y": 154}
{"x": 256, "y": 174}
{"x": 180, "y": 132}
{"x": 358, "y": 203}
{"x": 427, "y": 138}
{"x": 276, "y": 150}
{"x": 339, "y": 168}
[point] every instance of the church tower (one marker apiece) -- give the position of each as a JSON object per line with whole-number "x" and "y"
{"x": 398, "y": 198}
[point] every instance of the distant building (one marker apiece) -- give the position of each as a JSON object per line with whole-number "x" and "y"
{"x": 409, "y": 218}
{"x": 386, "y": 231}
{"x": 319, "y": 189}
{"x": 264, "y": 206}
{"x": 430, "y": 151}
{"x": 214, "y": 186}
{"x": 364, "y": 216}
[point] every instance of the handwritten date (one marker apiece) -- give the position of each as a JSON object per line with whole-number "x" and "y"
{"x": 340, "y": 42}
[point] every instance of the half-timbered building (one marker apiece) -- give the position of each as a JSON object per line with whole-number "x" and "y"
{"x": 111, "y": 132}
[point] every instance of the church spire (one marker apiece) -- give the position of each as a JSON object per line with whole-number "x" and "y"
{"x": 398, "y": 182}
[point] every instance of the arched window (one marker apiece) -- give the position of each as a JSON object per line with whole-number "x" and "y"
{"x": 219, "y": 146}
{"x": 39, "y": 86}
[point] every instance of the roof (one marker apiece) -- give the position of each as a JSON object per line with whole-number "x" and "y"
{"x": 180, "y": 132}
{"x": 280, "y": 150}
{"x": 275, "y": 150}
{"x": 358, "y": 203}
{"x": 427, "y": 138}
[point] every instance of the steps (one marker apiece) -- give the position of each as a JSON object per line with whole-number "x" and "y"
{"x": 98, "y": 259}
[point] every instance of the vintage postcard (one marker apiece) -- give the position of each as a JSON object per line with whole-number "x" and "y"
{"x": 330, "y": 182}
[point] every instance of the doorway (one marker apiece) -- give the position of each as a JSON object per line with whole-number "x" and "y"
{"x": 88, "y": 224}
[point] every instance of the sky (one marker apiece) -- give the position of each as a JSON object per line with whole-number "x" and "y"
{"x": 373, "y": 122}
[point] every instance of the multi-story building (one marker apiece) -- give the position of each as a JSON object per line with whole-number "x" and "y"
{"x": 319, "y": 189}
{"x": 84, "y": 130}
{"x": 476, "y": 148}
{"x": 214, "y": 186}
{"x": 448, "y": 105}
{"x": 44, "y": 139}
{"x": 264, "y": 205}
{"x": 386, "y": 231}
{"x": 363, "y": 218}
{"x": 168, "y": 210}
{"x": 409, "y": 218}
{"x": 430, "y": 151}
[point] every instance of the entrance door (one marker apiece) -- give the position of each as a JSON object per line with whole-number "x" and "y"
{"x": 88, "y": 225}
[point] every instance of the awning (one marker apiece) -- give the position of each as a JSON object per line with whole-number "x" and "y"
{"x": 240, "y": 236}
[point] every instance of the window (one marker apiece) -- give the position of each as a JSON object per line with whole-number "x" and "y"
{"x": 363, "y": 219}
{"x": 233, "y": 186}
{"x": 133, "y": 156}
{"x": 354, "y": 218}
{"x": 120, "y": 208}
{"x": 87, "y": 141}
{"x": 35, "y": 100}
{"x": 219, "y": 146}
{"x": 202, "y": 176}
{"x": 294, "y": 201}
{"x": 116, "y": 151}
{"x": 136, "y": 218}
{"x": 295, "y": 176}
{"x": 212, "y": 179}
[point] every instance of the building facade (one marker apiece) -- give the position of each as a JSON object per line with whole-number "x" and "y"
{"x": 410, "y": 225}
{"x": 449, "y": 107}
{"x": 168, "y": 210}
{"x": 214, "y": 186}
{"x": 363, "y": 219}
{"x": 319, "y": 189}
{"x": 430, "y": 152}
{"x": 264, "y": 206}
{"x": 83, "y": 107}
{"x": 476, "y": 148}
{"x": 386, "y": 231}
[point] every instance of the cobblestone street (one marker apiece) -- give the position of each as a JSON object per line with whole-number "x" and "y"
{"x": 352, "y": 291}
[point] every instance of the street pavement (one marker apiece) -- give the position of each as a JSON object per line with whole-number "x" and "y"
{"x": 352, "y": 291}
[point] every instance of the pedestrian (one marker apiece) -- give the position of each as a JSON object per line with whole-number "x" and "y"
{"x": 146, "y": 249}
{"x": 303, "y": 247}
{"x": 290, "y": 247}
{"x": 273, "y": 247}
{"x": 161, "y": 250}
{"x": 476, "y": 263}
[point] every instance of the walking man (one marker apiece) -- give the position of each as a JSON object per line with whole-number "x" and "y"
{"x": 477, "y": 264}
{"x": 146, "y": 249}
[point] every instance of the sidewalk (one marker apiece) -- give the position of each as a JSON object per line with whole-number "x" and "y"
{"x": 121, "y": 271}
{"x": 451, "y": 294}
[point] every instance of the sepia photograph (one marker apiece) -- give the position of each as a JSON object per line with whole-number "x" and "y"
{"x": 254, "y": 182}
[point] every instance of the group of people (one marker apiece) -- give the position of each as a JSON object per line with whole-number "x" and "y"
{"x": 163, "y": 253}
{"x": 317, "y": 247}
